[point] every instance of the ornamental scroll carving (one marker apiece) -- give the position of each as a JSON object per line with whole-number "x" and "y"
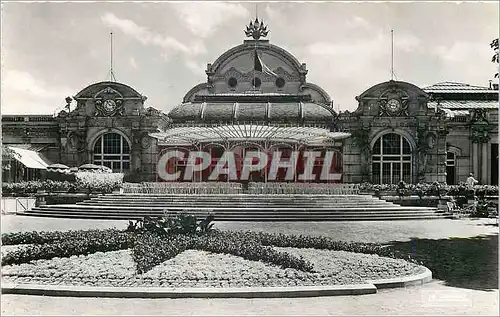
{"x": 108, "y": 102}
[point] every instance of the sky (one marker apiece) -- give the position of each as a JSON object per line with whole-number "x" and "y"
{"x": 54, "y": 50}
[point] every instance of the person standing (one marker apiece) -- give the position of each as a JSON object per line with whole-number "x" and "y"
{"x": 471, "y": 181}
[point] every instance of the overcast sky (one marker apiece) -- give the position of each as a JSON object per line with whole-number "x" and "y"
{"x": 53, "y": 50}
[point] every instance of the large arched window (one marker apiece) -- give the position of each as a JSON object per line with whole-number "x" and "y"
{"x": 391, "y": 160}
{"x": 112, "y": 150}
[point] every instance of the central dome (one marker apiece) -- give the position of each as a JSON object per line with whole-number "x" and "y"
{"x": 255, "y": 82}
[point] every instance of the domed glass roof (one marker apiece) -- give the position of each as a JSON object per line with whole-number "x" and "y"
{"x": 271, "y": 108}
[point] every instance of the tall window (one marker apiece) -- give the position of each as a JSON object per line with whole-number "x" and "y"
{"x": 450, "y": 168}
{"x": 391, "y": 160}
{"x": 112, "y": 150}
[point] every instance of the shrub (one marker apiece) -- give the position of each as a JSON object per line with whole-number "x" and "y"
{"x": 99, "y": 182}
{"x": 482, "y": 209}
{"x": 31, "y": 187}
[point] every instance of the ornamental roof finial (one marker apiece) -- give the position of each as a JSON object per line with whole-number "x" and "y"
{"x": 256, "y": 29}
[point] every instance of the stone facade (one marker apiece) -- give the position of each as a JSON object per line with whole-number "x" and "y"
{"x": 451, "y": 129}
{"x": 101, "y": 108}
{"x": 398, "y": 131}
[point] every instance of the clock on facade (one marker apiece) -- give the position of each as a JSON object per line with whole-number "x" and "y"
{"x": 109, "y": 105}
{"x": 393, "y": 105}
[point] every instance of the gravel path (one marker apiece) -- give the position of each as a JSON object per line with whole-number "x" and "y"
{"x": 359, "y": 231}
{"x": 430, "y": 299}
{"x": 194, "y": 268}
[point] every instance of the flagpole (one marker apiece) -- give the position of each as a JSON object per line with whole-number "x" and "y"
{"x": 256, "y": 56}
{"x": 255, "y": 48}
{"x": 392, "y": 54}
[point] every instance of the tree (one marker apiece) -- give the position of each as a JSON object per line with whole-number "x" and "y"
{"x": 494, "y": 46}
{"x": 7, "y": 156}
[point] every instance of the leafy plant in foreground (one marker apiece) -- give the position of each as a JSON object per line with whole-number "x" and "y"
{"x": 172, "y": 224}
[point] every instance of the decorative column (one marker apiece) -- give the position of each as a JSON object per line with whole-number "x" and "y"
{"x": 441, "y": 155}
{"x": 480, "y": 136}
{"x": 357, "y": 156}
{"x": 485, "y": 171}
{"x": 475, "y": 158}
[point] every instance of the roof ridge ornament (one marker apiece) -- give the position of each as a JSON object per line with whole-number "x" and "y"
{"x": 256, "y": 29}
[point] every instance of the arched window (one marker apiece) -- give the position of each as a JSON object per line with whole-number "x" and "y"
{"x": 112, "y": 150}
{"x": 391, "y": 160}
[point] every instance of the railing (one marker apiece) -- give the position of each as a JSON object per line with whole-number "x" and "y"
{"x": 459, "y": 119}
{"x": 182, "y": 188}
{"x": 17, "y": 204}
{"x": 303, "y": 188}
{"x": 14, "y": 118}
{"x": 237, "y": 188}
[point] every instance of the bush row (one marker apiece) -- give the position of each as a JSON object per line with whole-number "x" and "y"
{"x": 249, "y": 250}
{"x": 152, "y": 249}
{"x": 321, "y": 243}
{"x": 433, "y": 189}
{"x": 41, "y": 237}
{"x": 86, "y": 181}
{"x": 86, "y": 243}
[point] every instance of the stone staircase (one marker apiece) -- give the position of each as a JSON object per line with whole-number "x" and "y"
{"x": 240, "y": 207}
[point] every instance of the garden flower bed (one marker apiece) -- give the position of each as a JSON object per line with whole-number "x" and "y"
{"x": 185, "y": 252}
{"x": 193, "y": 268}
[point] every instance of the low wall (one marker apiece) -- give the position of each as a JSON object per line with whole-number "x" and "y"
{"x": 66, "y": 198}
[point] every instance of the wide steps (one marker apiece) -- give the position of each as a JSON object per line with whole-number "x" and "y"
{"x": 234, "y": 209}
{"x": 237, "y": 217}
{"x": 233, "y": 204}
{"x": 250, "y": 211}
{"x": 240, "y": 207}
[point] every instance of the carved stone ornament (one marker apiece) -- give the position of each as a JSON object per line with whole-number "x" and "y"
{"x": 393, "y": 102}
{"x": 431, "y": 140}
{"x": 150, "y": 111}
{"x": 145, "y": 141}
{"x": 108, "y": 102}
{"x": 481, "y": 133}
{"x": 478, "y": 116}
{"x": 142, "y": 139}
{"x": 76, "y": 141}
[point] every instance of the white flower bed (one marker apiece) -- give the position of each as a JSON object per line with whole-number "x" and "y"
{"x": 194, "y": 268}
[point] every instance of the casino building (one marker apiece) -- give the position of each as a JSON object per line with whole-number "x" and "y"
{"x": 257, "y": 99}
